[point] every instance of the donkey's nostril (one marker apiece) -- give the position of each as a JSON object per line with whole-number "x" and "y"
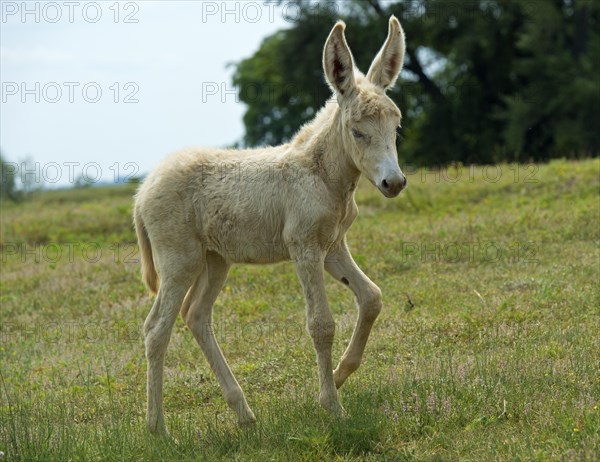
{"x": 391, "y": 187}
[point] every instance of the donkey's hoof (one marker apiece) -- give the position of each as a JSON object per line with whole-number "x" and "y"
{"x": 247, "y": 421}
{"x": 334, "y": 407}
{"x": 162, "y": 435}
{"x": 340, "y": 413}
{"x": 158, "y": 430}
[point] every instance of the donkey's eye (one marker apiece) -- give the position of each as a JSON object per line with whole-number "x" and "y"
{"x": 357, "y": 134}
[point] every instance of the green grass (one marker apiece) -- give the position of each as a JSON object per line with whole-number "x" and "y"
{"x": 487, "y": 347}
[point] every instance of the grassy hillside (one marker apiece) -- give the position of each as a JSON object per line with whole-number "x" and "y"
{"x": 487, "y": 347}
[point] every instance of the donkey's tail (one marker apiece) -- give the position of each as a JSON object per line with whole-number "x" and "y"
{"x": 148, "y": 270}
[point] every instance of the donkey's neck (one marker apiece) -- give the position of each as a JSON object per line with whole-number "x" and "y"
{"x": 321, "y": 144}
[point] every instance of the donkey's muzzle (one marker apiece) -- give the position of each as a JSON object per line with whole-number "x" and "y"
{"x": 391, "y": 187}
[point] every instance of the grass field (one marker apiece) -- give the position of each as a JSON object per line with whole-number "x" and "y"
{"x": 487, "y": 347}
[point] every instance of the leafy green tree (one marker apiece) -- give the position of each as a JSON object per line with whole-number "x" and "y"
{"x": 555, "y": 108}
{"x": 484, "y": 80}
{"x": 283, "y": 83}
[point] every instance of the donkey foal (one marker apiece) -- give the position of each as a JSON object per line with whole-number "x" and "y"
{"x": 202, "y": 210}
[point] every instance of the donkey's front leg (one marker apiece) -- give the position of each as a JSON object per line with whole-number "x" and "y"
{"x": 321, "y": 327}
{"x": 340, "y": 264}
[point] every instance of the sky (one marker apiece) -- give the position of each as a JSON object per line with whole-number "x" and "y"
{"x": 108, "y": 89}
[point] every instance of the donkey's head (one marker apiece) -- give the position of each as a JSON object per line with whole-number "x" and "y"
{"x": 369, "y": 117}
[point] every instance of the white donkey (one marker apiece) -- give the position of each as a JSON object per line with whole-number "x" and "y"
{"x": 202, "y": 210}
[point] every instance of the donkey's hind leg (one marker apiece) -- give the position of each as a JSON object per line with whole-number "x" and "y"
{"x": 198, "y": 317}
{"x": 177, "y": 270}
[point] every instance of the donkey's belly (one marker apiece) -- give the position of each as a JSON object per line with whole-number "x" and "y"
{"x": 250, "y": 246}
{"x": 248, "y": 251}
{"x": 244, "y": 239}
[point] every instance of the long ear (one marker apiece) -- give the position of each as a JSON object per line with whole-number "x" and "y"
{"x": 389, "y": 61}
{"x": 337, "y": 61}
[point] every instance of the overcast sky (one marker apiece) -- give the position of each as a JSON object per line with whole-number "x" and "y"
{"x": 168, "y": 59}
